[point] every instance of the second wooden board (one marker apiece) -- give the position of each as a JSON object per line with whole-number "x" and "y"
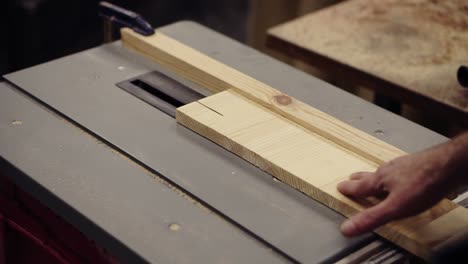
{"x": 310, "y": 163}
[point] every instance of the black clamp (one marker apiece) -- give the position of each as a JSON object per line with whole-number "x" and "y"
{"x": 115, "y": 15}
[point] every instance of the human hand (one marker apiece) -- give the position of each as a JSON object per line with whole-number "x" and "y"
{"x": 410, "y": 184}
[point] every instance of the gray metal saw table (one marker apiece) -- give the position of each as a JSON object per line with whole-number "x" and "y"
{"x": 149, "y": 190}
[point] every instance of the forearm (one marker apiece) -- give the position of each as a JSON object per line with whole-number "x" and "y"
{"x": 457, "y": 153}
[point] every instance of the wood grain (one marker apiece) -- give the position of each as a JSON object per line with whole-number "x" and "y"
{"x": 408, "y": 49}
{"x": 217, "y": 77}
{"x": 310, "y": 163}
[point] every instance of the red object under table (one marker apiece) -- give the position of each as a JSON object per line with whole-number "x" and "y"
{"x": 32, "y": 233}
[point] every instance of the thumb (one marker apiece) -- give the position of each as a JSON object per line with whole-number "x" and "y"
{"x": 370, "y": 218}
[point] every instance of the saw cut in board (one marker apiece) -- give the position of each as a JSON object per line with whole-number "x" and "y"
{"x": 296, "y": 143}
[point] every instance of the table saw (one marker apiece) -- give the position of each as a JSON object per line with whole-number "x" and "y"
{"x": 147, "y": 189}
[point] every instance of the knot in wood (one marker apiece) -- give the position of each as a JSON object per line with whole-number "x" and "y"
{"x": 283, "y": 99}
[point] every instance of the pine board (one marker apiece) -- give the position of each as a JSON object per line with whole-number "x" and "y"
{"x": 310, "y": 163}
{"x": 217, "y": 77}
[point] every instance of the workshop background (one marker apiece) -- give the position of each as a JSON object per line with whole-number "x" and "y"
{"x": 32, "y": 26}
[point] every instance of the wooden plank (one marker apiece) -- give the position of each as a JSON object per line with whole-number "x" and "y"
{"x": 217, "y": 77}
{"x": 310, "y": 163}
{"x": 409, "y": 50}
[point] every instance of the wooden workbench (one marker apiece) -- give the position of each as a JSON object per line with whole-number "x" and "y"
{"x": 409, "y": 50}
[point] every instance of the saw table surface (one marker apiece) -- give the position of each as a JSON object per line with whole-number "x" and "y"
{"x": 409, "y": 50}
{"x": 147, "y": 189}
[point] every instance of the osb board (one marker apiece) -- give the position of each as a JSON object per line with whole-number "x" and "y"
{"x": 417, "y": 45}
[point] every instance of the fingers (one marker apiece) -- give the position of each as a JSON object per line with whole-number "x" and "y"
{"x": 370, "y": 218}
{"x": 362, "y": 184}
